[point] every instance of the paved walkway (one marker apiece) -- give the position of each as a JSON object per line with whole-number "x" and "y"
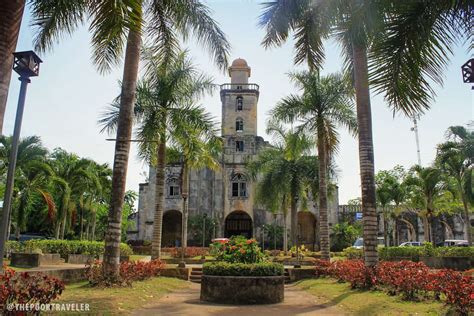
{"x": 186, "y": 302}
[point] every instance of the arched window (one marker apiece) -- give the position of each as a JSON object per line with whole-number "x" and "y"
{"x": 239, "y": 185}
{"x": 239, "y": 125}
{"x": 173, "y": 187}
{"x": 239, "y": 104}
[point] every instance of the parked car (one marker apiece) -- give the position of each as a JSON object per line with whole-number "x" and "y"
{"x": 220, "y": 240}
{"x": 411, "y": 244}
{"x": 359, "y": 243}
{"x": 455, "y": 243}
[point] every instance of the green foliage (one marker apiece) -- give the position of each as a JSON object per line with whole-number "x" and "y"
{"x": 243, "y": 269}
{"x": 414, "y": 253}
{"x": 274, "y": 233}
{"x": 13, "y": 246}
{"x": 238, "y": 250}
{"x": 344, "y": 235}
{"x": 353, "y": 253}
{"x": 66, "y": 247}
{"x": 195, "y": 226}
{"x": 302, "y": 251}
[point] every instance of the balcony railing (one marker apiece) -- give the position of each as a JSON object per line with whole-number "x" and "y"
{"x": 239, "y": 86}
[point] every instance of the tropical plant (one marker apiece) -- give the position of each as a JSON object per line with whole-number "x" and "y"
{"x": 416, "y": 41}
{"x": 284, "y": 173}
{"x": 344, "y": 235}
{"x": 115, "y": 25}
{"x": 324, "y": 105}
{"x": 456, "y": 158}
{"x": 165, "y": 112}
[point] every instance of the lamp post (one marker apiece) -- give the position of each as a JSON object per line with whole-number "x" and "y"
{"x": 263, "y": 237}
{"x": 297, "y": 265}
{"x": 468, "y": 72}
{"x": 204, "y": 233}
{"x": 184, "y": 218}
{"x": 27, "y": 65}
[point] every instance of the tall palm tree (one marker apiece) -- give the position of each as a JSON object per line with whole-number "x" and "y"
{"x": 385, "y": 183}
{"x": 324, "y": 105}
{"x": 456, "y": 158}
{"x": 11, "y": 12}
{"x": 282, "y": 174}
{"x": 164, "y": 109}
{"x": 415, "y": 45}
{"x": 115, "y": 25}
{"x": 427, "y": 185}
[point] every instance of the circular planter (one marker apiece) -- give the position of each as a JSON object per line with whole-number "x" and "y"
{"x": 242, "y": 289}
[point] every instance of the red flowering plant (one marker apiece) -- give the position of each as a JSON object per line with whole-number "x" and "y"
{"x": 353, "y": 271}
{"x": 238, "y": 250}
{"x": 403, "y": 277}
{"x": 27, "y": 288}
{"x": 322, "y": 267}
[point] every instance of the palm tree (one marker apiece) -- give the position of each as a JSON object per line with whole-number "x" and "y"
{"x": 29, "y": 149}
{"x": 11, "y": 12}
{"x": 325, "y": 103}
{"x": 427, "y": 185}
{"x": 164, "y": 109}
{"x": 456, "y": 159}
{"x": 385, "y": 183}
{"x": 415, "y": 45}
{"x": 112, "y": 24}
{"x": 283, "y": 173}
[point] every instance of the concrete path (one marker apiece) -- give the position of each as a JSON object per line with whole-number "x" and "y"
{"x": 186, "y": 302}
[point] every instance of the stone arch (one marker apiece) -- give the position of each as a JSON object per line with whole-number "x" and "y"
{"x": 307, "y": 226}
{"x": 238, "y": 223}
{"x": 171, "y": 235}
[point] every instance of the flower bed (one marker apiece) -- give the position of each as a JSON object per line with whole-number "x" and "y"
{"x": 391, "y": 253}
{"x": 243, "y": 269}
{"x": 25, "y": 288}
{"x": 410, "y": 279}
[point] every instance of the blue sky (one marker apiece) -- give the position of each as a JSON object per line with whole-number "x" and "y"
{"x": 64, "y": 102}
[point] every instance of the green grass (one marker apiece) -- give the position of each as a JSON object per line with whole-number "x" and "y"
{"x": 138, "y": 257}
{"x": 120, "y": 300}
{"x": 330, "y": 292}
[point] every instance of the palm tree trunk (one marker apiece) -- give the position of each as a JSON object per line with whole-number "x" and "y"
{"x": 294, "y": 221}
{"x": 122, "y": 150}
{"x": 385, "y": 230}
{"x": 366, "y": 154}
{"x": 81, "y": 224}
{"x": 11, "y": 12}
{"x": 94, "y": 220}
{"x": 426, "y": 229}
{"x": 159, "y": 200}
{"x": 184, "y": 193}
{"x": 467, "y": 222}
{"x": 285, "y": 233}
{"x": 323, "y": 197}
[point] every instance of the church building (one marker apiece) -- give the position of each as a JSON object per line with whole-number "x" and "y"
{"x": 225, "y": 195}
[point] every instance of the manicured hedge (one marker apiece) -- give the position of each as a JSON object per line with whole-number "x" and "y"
{"x": 414, "y": 253}
{"x": 243, "y": 269}
{"x": 66, "y": 247}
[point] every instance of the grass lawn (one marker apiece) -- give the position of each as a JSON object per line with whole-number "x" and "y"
{"x": 367, "y": 302}
{"x": 112, "y": 301}
{"x": 138, "y": 257}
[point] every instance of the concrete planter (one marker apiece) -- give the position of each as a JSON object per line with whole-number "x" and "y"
{"x": 122, "y": 258}
{"x": 455, "y": 263}
{"x": 33, "y": 260}
{"x": 242, "y": 289}
{"x": 80, "y": 259}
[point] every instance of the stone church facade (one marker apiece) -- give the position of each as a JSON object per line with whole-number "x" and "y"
{"x": 227, "y": 195}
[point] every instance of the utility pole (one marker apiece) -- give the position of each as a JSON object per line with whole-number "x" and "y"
{"x": 416, "y": 118}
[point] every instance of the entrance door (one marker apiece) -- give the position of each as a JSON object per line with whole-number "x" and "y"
{"x": 238, "y": 223}
{"x": 171, "y": 236}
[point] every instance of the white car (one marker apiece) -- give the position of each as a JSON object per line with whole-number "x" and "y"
{"x": 359, "y": 243}
{"x": 455, "y": 243}
{"x": 410, "y": 244}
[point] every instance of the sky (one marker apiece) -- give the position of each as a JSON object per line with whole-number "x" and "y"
{"x": 64, "y": 103}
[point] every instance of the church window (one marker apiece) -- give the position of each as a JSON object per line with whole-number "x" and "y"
{"x": 239, "y": 145}
{"x": 240, "y": 104}
{"x": 173, "y": 187}
{"x": 239, "y": 125}
{"x": 239, "y": 185}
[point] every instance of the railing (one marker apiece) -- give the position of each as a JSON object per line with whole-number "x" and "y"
{"x": 239, "y": 86}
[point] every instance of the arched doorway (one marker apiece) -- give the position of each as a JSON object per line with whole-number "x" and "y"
{"x": 307, "y": 229}
{"x": 171, "y": 236}
{"x": 238, "y": 223}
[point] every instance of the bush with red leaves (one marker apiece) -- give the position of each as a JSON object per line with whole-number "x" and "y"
{"x": 130, "y": 271}
{"x": 353, "y": 271}
{"x": 322, "y": 267}
{"x": 27, "y": 288}
{"x": 403, "y": 277}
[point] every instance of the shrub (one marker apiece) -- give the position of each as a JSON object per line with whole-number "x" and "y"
{"x": 243, "y": 269}
{"x": 238, "y": 249}
{"x": 12, "y": 246}
{"x": 353, "y": 271}
{"x": 322, "y": 267}
{"x": 405, "y": 277}
{"x": 175, "y": 252}
{"x": 67, "y": 247}
{"x": 414, "y": 253}
{"x": 302, "y": 251}
{"x": 26, "y": 288}
{"x": 130, "y": 271}
{"x": 353, "y": 253}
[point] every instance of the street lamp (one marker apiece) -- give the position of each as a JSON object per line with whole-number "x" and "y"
{"x": 204, "y": 234}
{"x": 184, "y": 218}
{"x": 468, "y": 71}
{"x": 27, "y": 65}
{"x": 263, "y": 237}
{"x": 297, "y": 265}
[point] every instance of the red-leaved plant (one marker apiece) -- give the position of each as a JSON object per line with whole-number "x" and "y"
{"x": 403, "y": 277}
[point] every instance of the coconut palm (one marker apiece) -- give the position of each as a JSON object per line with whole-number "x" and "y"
{"x": 427, "y": 184}
{"x": 455, "y": 158}
{"x": 165, "y": 108}
{"x": 416, "y": 45}
{"x": 11, "y": 12}
{"x": 283, "y": 173}
{"x": 115, "y": 25}
{"x": 325, "y": 104}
